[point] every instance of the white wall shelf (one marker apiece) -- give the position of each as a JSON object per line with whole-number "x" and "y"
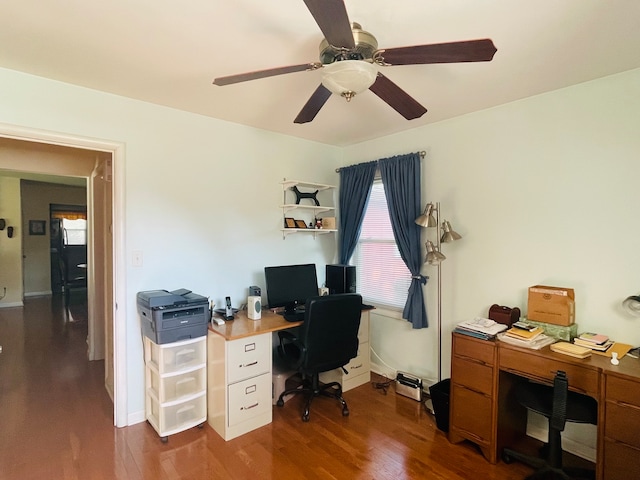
{"x": 310, "y": 212}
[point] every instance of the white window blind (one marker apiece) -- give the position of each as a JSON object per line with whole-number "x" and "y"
{"x": 383, "y": 278}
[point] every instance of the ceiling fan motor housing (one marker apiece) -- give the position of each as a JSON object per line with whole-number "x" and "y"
{"x": 366, "y": 45}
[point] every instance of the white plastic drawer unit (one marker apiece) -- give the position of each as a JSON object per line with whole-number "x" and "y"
{"x": 178, "y": 356}
{"x": 249, "y": 398}
{"x": 248, "y": 357}
{"x": 169, "y": 388}
{"x": 177, "y": 417}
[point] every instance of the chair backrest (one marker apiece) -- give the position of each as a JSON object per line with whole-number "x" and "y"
{"x": 560, "y": 393}
{"x": 330, "y": 331}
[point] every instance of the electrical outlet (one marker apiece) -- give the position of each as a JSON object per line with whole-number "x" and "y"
{"x": 137, "y": 258}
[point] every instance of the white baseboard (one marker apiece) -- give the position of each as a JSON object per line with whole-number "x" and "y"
{"x": 12, "y": 304}
{"x": 136, "y": 417}
{"x": 38, "y": 294}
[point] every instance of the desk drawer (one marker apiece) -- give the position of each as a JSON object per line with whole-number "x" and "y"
{"x": 622, "y": 390}
{"x": 543, "y": 368}
{"x": 474, "y": 375}
{"x": 471, "y": 414}
{"x": 481, "y": 350}
{"x": 249, "y": 399}
{"x": 248, "y": 357}
{"x": 622, "y": 423}
{"x": 621, "y": 462}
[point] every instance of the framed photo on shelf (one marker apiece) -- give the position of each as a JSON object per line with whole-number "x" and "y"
{"x": 289, "y": 223}
{"x": 300, "y": 224}
{"x": 37, "y": 227}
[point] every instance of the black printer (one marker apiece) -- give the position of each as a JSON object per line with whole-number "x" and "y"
{"x": 172, "y": 316}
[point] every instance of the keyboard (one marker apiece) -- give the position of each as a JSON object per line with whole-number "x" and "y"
{"x": 294, "y": 317}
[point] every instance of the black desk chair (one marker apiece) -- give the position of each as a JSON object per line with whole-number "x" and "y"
{"x": 327, "y": 339}
{"x": 559, "y": 405}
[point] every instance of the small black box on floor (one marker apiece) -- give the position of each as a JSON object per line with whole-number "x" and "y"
{"x": 440, "y": 398}
{"x": 167, "y": 317}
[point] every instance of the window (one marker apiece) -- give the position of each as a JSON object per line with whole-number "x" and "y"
{"x": 383, "y": 277}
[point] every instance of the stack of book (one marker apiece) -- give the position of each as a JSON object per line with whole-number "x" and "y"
{"x": 528, "y": 336}
{"x": 594, "y": 341}
{"x": 483, "y": 328}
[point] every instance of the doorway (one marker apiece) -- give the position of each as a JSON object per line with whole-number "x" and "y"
{"x": 105, "y": 258}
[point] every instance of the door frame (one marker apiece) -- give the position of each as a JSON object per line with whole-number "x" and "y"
{"x": 117, "y": 151}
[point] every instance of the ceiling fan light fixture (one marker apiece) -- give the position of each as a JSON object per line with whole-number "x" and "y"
{"x": 349, "y": 77}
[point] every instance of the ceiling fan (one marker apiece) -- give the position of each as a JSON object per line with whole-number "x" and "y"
{"x": 349, "y": 58}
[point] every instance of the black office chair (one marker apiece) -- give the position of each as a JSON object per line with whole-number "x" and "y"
{"x": 327, "y": 339}
{"x": 559, "y": 405}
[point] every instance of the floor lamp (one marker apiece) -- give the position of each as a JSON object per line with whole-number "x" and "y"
{"x": 445, "y": 234}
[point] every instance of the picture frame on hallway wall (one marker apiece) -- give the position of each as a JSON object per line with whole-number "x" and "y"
{"x": 37, "y": 227}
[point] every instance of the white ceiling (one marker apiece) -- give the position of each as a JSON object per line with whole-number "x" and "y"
{"x": 168, "y": 52}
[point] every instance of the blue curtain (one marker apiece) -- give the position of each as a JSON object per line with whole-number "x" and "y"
{"x": 401, "y": 181}
{"x": 355, "y": 189}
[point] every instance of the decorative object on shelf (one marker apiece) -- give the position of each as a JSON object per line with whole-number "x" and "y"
{"x": 632, "y": 304}
{"x": 10, "y": 232}
{"x": 445, "y": 234}
{"x": 3, "y": 224}
{"x": 37, "y": 227}
{"x": 302, "y": 195}
{"x": 309, "y": 214}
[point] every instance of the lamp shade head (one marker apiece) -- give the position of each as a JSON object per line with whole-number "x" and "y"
{"x": 427, "y": 219}
{"x": 348, "y": 77}
{"x": 632, "y": 304}
{"x": 448, "y": 234}
{"x": 434, "y": 257}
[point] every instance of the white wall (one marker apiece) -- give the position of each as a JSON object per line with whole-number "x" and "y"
{"x": 10, "y": 248}
{"x": 202, "y": 196}
{"x": 544, "y": 190}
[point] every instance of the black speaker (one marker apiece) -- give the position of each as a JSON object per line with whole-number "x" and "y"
{"x": 341, "y": 278}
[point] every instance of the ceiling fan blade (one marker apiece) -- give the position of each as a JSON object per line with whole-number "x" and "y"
{"x": 331, "y": 16}
{"x": 313, "y": 105}
{"x": 397, "y": 98}
{"x": 271, "y": 72}
{"x": 465, "y": 51}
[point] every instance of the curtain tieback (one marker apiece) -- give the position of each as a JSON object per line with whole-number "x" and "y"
{"x": 421, "y": 278}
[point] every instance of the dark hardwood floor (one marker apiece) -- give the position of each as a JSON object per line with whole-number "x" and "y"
{"x": 56, "y": 422}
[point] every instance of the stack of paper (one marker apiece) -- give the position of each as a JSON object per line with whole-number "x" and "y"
{"x": 594, "y": 341}
{"x": 480, "y": 328}
{"x": 571, "y": 349}
{"x": 535, "y": 343}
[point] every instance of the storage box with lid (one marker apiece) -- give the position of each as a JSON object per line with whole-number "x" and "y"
{"x": 554, "y": 305}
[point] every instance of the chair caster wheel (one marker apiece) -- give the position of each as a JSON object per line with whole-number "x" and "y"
{"x": 345, "y": 412}
{"x": 506, "y": 458}
{"x": 164, "y": 439}
{"x": 201, "y": 426}
{"x": 280, "y": 402}
{"x": 305, "y": 417}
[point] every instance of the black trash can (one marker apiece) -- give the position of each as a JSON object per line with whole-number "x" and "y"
{"x": 440, "y": 399}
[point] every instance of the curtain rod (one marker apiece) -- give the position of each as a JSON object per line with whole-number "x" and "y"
{"x": 421, "y": 153}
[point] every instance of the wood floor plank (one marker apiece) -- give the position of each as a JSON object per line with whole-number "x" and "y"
{"x": 56, "y": 422}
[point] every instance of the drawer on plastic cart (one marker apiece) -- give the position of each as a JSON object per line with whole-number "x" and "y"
{"x": 172, "y": 388}
{"x": 177, "y": 356}
{"x": 173, "y": 418}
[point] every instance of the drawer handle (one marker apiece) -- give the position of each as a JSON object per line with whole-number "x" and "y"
{"x": 250, "y": 406}
{"x": 250, "y": 389}
{"x": 248, "y": 364}
{"x": 249, "y": 347}
{"x": 355, "y": 367}
{"x": 473, "y": 360}
{"x": 473, "y": 390}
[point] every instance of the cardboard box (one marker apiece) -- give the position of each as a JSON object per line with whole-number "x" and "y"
{"x": 554, "y": 305}
{"x": 329, "y": 223}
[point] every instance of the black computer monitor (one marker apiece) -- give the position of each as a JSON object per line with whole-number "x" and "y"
{"x": 289, "y": 286}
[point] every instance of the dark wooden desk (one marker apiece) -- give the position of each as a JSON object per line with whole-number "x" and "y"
{"x": 483, "y": 409}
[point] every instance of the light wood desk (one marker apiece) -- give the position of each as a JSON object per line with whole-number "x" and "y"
{"x": 483, "y": 409}
{"x": 239, "y": 371}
